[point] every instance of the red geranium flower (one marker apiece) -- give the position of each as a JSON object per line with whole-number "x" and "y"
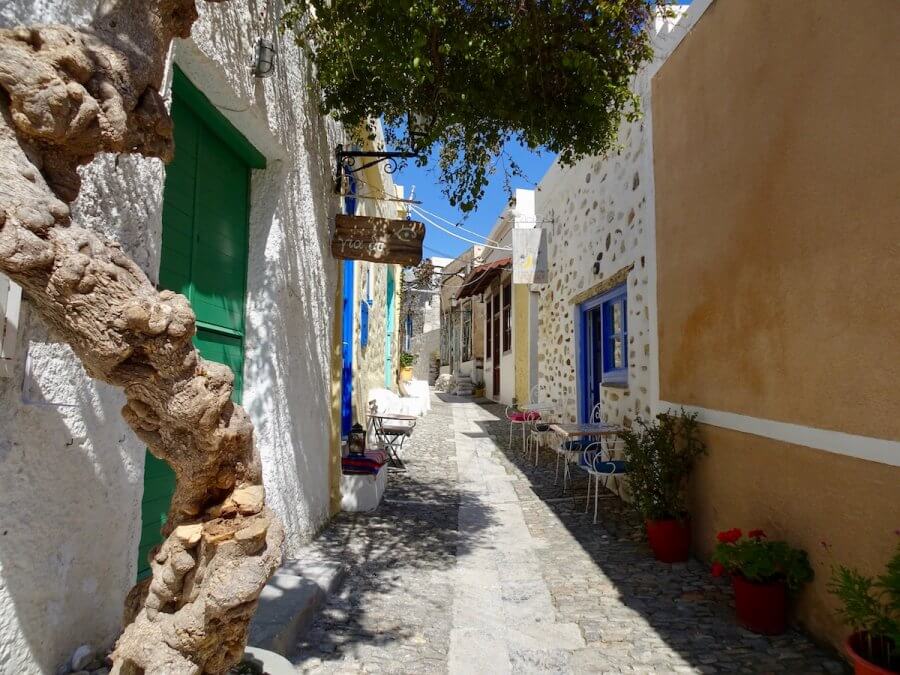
{"x": 729, "y": 536}
{"x": 756, "y": 534}
{"x": 718, "y": 569}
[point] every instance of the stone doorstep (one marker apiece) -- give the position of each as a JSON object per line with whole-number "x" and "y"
{"x": 289, "y": 602}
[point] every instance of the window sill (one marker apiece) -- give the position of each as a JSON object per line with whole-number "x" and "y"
{"x": 612, "y": 384}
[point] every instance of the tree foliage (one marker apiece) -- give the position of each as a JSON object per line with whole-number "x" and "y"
{"x": 552, "y": 74}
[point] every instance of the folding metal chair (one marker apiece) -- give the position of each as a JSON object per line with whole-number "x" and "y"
{"x": 390, "y": 431}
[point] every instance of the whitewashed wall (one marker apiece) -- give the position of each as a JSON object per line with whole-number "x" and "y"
{"x": 599, "y": 219}
{"x": 425, "y": 345}
{"x": 71, "y": 472}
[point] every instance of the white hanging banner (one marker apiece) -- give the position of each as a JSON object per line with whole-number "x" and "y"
{"x": 529, "y": 255}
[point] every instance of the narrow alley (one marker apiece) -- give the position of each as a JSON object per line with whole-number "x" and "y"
{"x": 475, "y": 563}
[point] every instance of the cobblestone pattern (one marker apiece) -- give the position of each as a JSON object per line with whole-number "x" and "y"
{"x": 393, "y": 613}
{"x": 421, "y": 597}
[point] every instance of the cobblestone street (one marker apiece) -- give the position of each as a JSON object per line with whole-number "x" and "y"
{"x": 475, "y": 563}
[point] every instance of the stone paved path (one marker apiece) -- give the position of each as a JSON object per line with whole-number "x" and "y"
{"x": 477, "y": 563}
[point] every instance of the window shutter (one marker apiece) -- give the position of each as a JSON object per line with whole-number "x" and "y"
{"x": 10, "y": 302}
{"x": 363, "y": 323}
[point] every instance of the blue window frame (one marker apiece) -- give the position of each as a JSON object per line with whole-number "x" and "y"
{"x": 363, "y": 323}
{"x": 614, "y": 329}
{"x": 602, "y": 332}
{"x": 347, "y": 350}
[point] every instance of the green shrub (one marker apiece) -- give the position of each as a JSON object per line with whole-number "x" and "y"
{"x": 871, "y": 606}
{"x": 660, "y": 457}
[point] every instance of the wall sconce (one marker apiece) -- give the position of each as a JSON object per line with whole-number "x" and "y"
{"x": 264, "y": 63}
{"x": 418, "y": 127}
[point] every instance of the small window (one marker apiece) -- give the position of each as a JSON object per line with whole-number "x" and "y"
{"x": 467, "y": 335}
{"x": 488, "y": 333}
{"x": 363, "y": 323}
{"x": 615, "y": 337}
{"x": 507, "y": 318}
{"x": 407, "y": 333}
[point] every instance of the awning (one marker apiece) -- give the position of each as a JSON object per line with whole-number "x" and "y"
{"x": 481, "y": 277}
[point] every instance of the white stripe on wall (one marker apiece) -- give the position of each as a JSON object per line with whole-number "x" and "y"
{"x": 861, "y": 447}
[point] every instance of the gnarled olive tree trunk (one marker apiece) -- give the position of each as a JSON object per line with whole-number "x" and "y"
{"x": 67, "y": 94}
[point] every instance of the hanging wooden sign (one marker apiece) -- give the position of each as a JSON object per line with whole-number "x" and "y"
{"x": 380, "y": 240}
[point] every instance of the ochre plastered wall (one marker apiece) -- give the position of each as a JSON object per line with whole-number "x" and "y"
{"x": 778, "y": 239}
{"x": 778, "y": 216}
{"x": 521, "y": 340}
{"x": 805, "y": 497}
{"x": 337, "y": 367}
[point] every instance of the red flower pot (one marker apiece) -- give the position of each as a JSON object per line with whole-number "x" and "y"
{"x": 760, "y": 607}
{"x": 856, "y": 646}
{"x": 669, "y": 539}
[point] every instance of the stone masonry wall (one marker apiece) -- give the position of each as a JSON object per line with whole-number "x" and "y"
{"x": 596, "y": 215}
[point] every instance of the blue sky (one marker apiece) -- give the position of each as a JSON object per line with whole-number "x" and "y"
{"x": 428, "y": 191}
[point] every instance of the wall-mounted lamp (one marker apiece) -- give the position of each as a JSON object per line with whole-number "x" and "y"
{"x": 418, "y": 127}
{"x": 264, "y": 63}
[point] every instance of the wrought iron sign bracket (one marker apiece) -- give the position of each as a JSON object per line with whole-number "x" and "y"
{"x": 350, "y": 161}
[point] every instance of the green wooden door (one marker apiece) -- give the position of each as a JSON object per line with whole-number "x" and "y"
{"x": 204, "y": 257}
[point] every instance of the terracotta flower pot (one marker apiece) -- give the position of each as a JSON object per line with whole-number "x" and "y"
{"x": 856, "y": 647}
{"x": 406, "y": 373}
{"x": 760, "y": 607}
{"x": 669, "y": 539}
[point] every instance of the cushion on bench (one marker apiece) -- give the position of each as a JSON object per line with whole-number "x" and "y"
{"x": 529, "y": 416}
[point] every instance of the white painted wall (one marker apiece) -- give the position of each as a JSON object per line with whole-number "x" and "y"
{"x": 71, "y": 472}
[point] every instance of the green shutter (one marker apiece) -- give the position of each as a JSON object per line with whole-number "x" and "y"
{"x": 204, "y": 257}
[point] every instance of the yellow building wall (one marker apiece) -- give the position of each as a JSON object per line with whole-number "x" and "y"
{"x": 522, "y": 342}
{"x": 778, "y": 239}
{"x": 337, "y": 364}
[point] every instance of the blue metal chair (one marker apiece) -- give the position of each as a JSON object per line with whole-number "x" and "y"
{"x": 598, "y": 462}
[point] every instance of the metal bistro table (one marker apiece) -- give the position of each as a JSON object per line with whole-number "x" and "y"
{"x": 570, "y": 432}
{"x": 391, "y": 429}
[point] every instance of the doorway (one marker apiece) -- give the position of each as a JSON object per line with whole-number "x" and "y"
{"x": 495, "y": 344}
{"x": 206, "y": 202}
{"x": 602, "y": 347}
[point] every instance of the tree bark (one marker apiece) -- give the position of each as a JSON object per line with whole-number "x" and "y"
{"x": 67, "y": 94}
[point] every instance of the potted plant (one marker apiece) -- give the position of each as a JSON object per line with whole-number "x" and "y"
{"x": 871, "y": 607}
{"x": 407, "y": 361}
{"x": 660, "y": 456}
{"x": 762, "y": 572}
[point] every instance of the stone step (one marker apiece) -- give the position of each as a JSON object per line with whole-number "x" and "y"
{"x": 289, "y": 602}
